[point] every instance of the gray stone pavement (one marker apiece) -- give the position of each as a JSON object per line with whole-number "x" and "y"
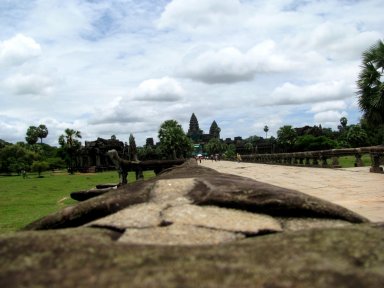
{"x": 354, "y": 188}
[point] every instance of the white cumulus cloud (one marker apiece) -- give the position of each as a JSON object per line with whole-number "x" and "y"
{"x": 18, "y": 49}
{"x": 329, "y": 117}
{"x": 290, "y": 93}
{"x": 328, "y": 105}
{"x": 230, "y": 65}
{"x": 22, "y": 84}
{"x": 165, "y": 89}
{"x": 197, "y": 15}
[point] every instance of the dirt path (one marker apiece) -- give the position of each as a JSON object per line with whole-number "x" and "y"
{"x": 353, "y": 188}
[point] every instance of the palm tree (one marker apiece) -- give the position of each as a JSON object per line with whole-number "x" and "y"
{"x": 370, "y": 86}
{"x": 266, "y": 129}
{"x": 69, "y": 138}
{"x": 70, "y": 145}
{"x": 42, "y": 132}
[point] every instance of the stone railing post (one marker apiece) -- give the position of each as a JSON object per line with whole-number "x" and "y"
{"x": 315, "y": 161}
{"x": 375, "y": 158}
{"x": 358, "y": 161}
{"x": 324, "y": 158}
{"x": 307, "y": 159}
{"x": 295, "y": 159}
{"x": 335, "y": 162}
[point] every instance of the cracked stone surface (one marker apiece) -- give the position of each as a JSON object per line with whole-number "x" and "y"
{"x": 178, "y": 234}
{"x": 296, "y": 224}
{"x": 169, "y": 203}
{"x": 172, "y": 192}
{"x": 221, "y": 219}
{"x": 135, "y": 216}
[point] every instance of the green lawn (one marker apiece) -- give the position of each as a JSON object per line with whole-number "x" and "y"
{"x": 25, "y": 200}
{"x": 349, "y": 161}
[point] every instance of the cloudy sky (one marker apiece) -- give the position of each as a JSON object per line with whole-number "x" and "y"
{"x": 124, "y": 66}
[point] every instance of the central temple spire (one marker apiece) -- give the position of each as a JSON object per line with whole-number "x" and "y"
{"x": 194, "y": 131}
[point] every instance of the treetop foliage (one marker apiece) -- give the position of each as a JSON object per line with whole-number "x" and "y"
{"x": 370, "y": 84}
{"x": 173, "y": 141}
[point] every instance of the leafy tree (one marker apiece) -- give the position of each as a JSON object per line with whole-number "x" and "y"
{"x": 286, "y": 137}
{"x": 159, "y": 152}
{"x": 356, "y": 136}
{"x": 327, "y": 132}
{"x": 148, "y": 152}
{"x": 254, "y": 140}
{"x": 173, "y": 141}
{"x": 375, "y": 133}
{"x": 3, "y": 143}
{"x": 32, "y": 135}
{"x": 230, "y": 154}
{"x": 312, "y": 143}
{"x": 70, "y": 145}
{"x": 266, "y": 129}
{"x": 343, "y": 123}
{"x": 370, "y": 86}
{"x": 14, "y": 158}
{"x": 55, "y": 163}
{"x": 248, "y": 147}
{"x": 39, "y": 167}
{"x": 214, "y": 146}
{"x": 42, "y": 132}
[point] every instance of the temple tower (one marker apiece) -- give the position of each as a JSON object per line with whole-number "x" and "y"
{"x": 194, "y": 131}
{"x": 214, "y": 130}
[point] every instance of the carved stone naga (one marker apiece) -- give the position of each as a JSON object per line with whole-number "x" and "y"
{"x": 123, "y": 166}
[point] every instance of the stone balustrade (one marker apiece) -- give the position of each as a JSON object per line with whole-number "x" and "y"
{"x": 322, "y": 158}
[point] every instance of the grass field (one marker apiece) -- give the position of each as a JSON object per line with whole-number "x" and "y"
{"x": 25, "y": 200}
{"x": 349, "y": 161}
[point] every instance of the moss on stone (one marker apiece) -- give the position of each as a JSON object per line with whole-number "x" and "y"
{"x": 338, "y": 257}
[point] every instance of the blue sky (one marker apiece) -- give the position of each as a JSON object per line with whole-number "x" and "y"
{"x": 124, "y": 66}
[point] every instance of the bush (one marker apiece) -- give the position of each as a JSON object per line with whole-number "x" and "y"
{"x": 14, "y": 158}
{"x": 39, "y": 167}
{"x": 356, "y": 136}
{"x": 312, "y": 143}
{"x": 230, "y": 154}
{"x": 56, "y": 163}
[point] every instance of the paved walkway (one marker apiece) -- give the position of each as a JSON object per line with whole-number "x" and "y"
{"x": 354, "y": 188}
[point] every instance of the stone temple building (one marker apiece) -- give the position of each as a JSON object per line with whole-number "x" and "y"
{"x": 197, "y": 135}
{"x": 92, "y": 157}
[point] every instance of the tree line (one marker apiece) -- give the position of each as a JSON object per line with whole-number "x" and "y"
{"x": 39, "y": 157}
